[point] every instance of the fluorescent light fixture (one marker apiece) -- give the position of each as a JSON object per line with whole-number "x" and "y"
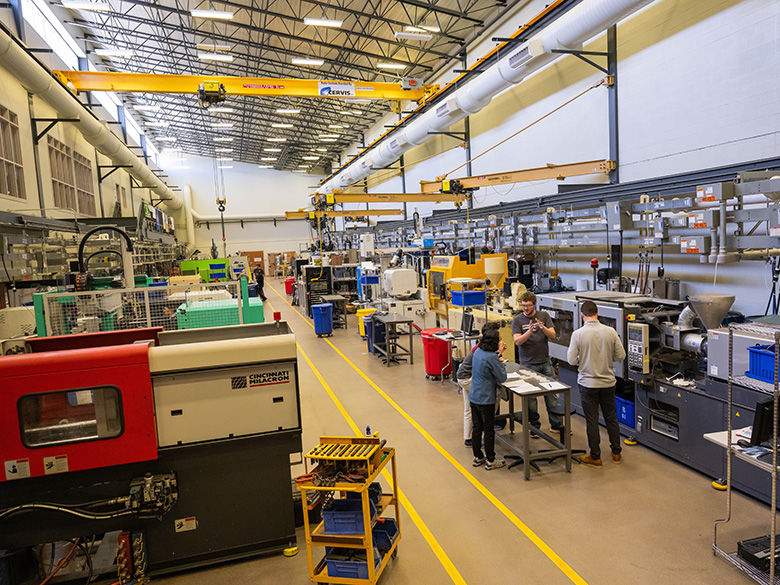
{"x": 224, "y": 159}
{"x": 336, "y": 126}
{"x": 158, "y": 124}
{"x": 86, "y": 5}
{"x": 221, "y": 110}
{"x": 276, "y": 139}
{"x": 323, "y": 22}
{"x": 357, "y": 100}
{"x": 327, "y": 140}
{"x": 272, "y": 150}
{"x": 166, "y": 139}
{"x": 223, "y": 139}
{"x": 167, "y": 150}
{"x": 391, "y": 66}
{"x": 212, "y": 14}
{"x": 429, "y": 28}
{"x": 321, "y": 149}
{"x": 265, "y": 166}
{"x": 422, "y": 28}
{"x": 226, "y": 166}
{"x": 215, "y": 57}
{"x": 412, "y": 36}
{"x": 310, "y": 158}
{"x": 221, "y": 124}
{"x": 212, "y": 47}
{"x": 146, "y": 108}
{"x": 127, "y": 53}
{"x": 223, "y": 150}
{"x": 302, "y": 61}
{"x": 350, "y": 112}
{"x": 269, "y": 158}
{"x": 288, "y": 111}
{"x": 281, "y": 125}
{"x": 299, "y": 171}
{"x": 328, "y": 135}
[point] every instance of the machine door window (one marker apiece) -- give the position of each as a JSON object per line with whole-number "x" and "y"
{"x": 70, "y": 416}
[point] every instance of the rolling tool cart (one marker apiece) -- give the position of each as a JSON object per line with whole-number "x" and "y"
{"x": 357, "y": 540}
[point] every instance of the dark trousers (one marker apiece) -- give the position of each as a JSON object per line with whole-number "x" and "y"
{"x": 260, "y": 292}
{"x": 482, "y": 417}
{"x": 592, "y": 399}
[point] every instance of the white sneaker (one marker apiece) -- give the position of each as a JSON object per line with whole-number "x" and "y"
{"x": 478, "y": 461}
{"x": 495, "y": 464}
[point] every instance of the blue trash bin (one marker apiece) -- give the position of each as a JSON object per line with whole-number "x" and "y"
{"x": 373, "y": 329}
{"x": 323, "y": 319}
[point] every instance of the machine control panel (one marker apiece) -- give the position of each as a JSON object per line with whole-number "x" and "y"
{"x": 638, "y": 353}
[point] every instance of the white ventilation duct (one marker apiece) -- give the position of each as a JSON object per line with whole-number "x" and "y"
{"x": 570, "y": 31}
{"x": 39, "y": 82}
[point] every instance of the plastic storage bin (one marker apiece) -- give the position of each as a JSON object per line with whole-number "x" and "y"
{"x": 374, "y": 493}
{"x": 625, "y": 412}
{"x": 385, "y": 533}
{"x": 370, "y": 325}
{"x": 346, "y": 517}
{"x": 762, "y": 363}
{"x": 349, "y": 562}
{"x": 323, "y": 319}
{"x": 436, "y": 352}
{"x": 289, "y": 284}
{"x": 465, "y": 298}
{"x": 361, "y": 313}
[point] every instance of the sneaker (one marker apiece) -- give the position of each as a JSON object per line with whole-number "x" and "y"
{"x": 478, "y": 461}
{"x": 495, "y": 464}
{"x": 616, "y": 457}
{"x": 467, "y": 442}
{"x": 588, "y": 460}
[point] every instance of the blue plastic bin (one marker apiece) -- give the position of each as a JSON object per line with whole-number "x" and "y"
{"x": 762, "y": 363}
{"x": 370, "y": 325}
{"x": 385, "y": 533}
{"x": 349, "y": 562}
{"x": 625, "y": 412}
{"x": 465, "y": 298}
{"x": 323, "y": 318}
{"x": 374, "y": 493}
{"x": 346, "y": 517}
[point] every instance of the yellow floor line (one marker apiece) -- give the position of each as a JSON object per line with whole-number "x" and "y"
{"x": 511, "y": 516}
{"x": 405, "y": 503}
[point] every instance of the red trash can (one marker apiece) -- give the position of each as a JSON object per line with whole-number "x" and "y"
{"x": 289, "y": 283}
{"x": 437, "y": 353}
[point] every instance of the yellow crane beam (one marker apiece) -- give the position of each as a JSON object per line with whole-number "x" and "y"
{"x": 591, "y": 167}
{"x": 341, "y": 213}
{"x": 249, "y": 86}
{"x": 332, "y": 199}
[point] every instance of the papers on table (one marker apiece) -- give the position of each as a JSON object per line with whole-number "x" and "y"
{"x": 552, "y": 386}
{"x": 520, "y": 386}
{"x": 512, "y": 376}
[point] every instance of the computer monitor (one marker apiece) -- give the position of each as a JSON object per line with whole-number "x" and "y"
{"x": 763, "y": 423}
{"x": 467, "y": 323}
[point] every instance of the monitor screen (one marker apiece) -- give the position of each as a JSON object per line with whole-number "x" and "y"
{"x": 763, "y": 423}
{"x": 467, "y": 323}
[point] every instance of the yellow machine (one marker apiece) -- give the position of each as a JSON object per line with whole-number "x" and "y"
{"x": 444, "y": 268}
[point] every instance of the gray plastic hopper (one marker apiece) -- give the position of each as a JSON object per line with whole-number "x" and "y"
{"x": 711, "y": 308}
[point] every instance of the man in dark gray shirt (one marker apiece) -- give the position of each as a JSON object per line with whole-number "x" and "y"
{"x": 532, "y": 331}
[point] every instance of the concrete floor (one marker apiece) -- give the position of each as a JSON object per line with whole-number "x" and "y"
{"x": 647, "y": 520}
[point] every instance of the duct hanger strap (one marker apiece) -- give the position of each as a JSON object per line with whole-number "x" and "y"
{"x": 604, "y": 81}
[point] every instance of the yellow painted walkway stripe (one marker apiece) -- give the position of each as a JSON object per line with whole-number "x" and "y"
{"x": 407, "y": 505}
{"x": 511, "y": 516}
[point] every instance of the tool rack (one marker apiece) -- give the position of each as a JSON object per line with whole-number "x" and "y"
{"x": 370, "y": 457}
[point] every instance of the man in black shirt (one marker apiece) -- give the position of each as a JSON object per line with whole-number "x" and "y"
{"x": 259, "y": 275}
{"x": 532, "y": 331}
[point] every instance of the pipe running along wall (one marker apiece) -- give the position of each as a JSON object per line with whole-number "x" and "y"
{"x": 37, "y": 80}
{"x": 570, "y": 31}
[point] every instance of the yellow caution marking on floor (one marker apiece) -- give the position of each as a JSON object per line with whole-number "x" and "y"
{"x": 407, "y": 505}
{"x": 511, "y": 516}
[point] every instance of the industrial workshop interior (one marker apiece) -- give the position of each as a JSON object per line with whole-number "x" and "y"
{"x": 389, "y": 291}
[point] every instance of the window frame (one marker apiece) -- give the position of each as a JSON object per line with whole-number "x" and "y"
{"x": 71, "y": 178}
{"x": 10, "y": 141}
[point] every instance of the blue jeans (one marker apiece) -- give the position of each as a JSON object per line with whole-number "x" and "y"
{"x": 554, "y": 410}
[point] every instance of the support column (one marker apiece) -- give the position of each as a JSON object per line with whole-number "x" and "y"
{"x": 612, "y": 96}
{"x": 36, "y": 155}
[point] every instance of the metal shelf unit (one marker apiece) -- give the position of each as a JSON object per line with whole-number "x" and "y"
{"x": 774, "y": 390}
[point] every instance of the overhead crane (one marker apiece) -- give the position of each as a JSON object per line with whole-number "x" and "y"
{"x": 327, "y": 213}
{"x": 321, "y": 200}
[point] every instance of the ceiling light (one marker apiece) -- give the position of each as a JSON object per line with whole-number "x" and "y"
{"x": 358, "y": 100}
{"x": 329, "y": 136}
{"x": 224, "y": 159}
{"x": 276, "y": 139}
{"x": 223, "y": 150}
{"x": 327, "y": 140}
{"x": 221, "y": 110}
{"x": 265, "y": 166}
{"x": 166, "y": 139}
{"x": 223, "y": 139}
{"x": 287, "y": 111}
{"x": 433, "y": 29}
{"x": 269, "y": 158}
{"x": 226, "y": 166}
{"x": 158, "y": 124}
{"x": 310, "y": 158}
{"x": 350, "y": 112}
{"x": 167, "y": 150}
{"x": 272, "y": 150}
{"x": 281, "y": 125}
{"x": 412, "y": 36}
{"x": 213, "y": 14}
{"x": 146, "y": 108}
{"x": 300, "y": 61}
{"x": 221, "y": 124}
{"x": 299, "y": 171}
{"x": 86, "y": 5}
{"x": 212, "y": 47}
{"x": 126, "y": 53}
{"x": 322, "y": 22}
{"x": 321, "y": 149}
{"x": 336, "y": 126}
{"x": 391, "y": 66}
{"x": 215, "y": 57}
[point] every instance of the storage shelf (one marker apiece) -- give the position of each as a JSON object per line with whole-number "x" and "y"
{"x": 764, "y": 387}
{"x": 755, "y": 574}
{"x": 321, "y": 571}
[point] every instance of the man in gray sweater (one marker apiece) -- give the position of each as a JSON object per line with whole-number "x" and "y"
{"x": 594, "y": 348}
